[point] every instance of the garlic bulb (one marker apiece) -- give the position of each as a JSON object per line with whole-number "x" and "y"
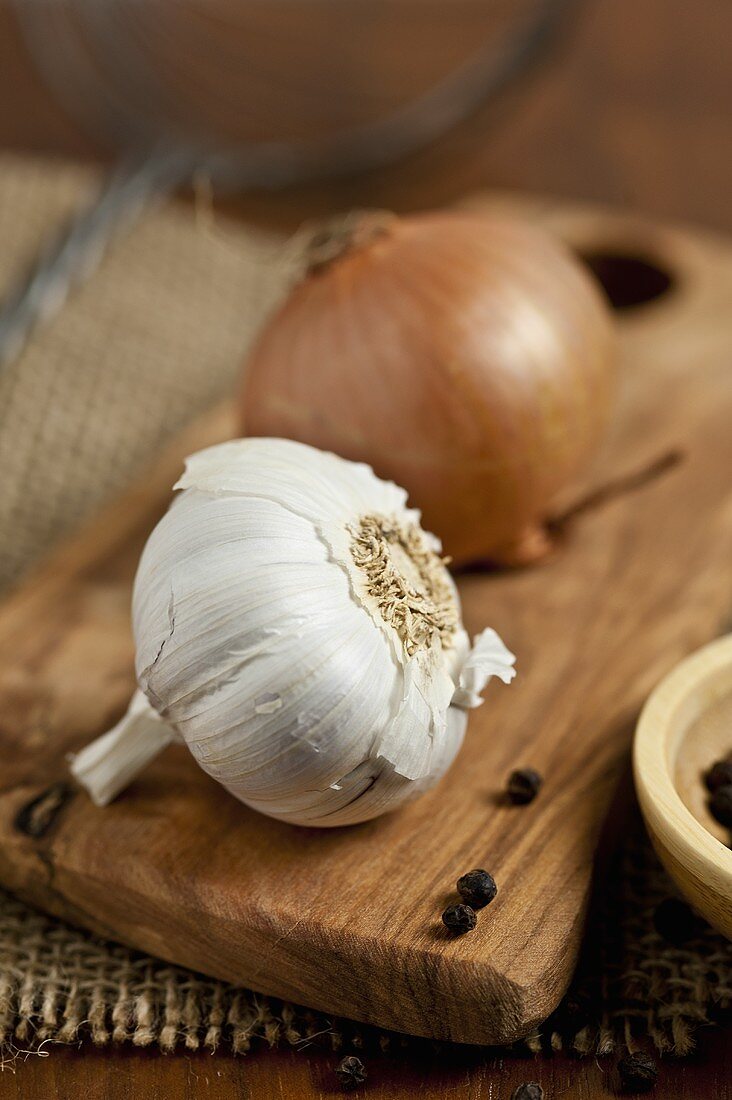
{"x": 296, "y": 627}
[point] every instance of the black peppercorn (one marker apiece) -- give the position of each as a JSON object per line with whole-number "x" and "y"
{"x": 719, "y": 775}
{"x": 523, "y": 786}
{"x": 529, "y": 1091}
{"x": 477, "y": 888}
{"x": 459, "y": 919}
{"x": 638, "y": 1072}
{"x": 721, "y": 805}
{"x": 351, "y": 1072}
{"x": 674, "y": 920}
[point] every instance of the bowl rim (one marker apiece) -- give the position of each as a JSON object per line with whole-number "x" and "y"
{"x": 661, "y": 805}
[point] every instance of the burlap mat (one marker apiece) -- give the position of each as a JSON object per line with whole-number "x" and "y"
{"x": 154, "y": 337}
{"x": 157, "y": 335}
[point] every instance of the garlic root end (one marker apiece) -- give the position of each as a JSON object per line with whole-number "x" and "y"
{"x": 110, "y": 763}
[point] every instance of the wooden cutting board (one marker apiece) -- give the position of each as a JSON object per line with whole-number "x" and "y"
{"x": 348, "y": 921}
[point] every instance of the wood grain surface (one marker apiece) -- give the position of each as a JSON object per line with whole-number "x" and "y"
{"x": 348, "y": 920}
{"x": 309, "y": 1074}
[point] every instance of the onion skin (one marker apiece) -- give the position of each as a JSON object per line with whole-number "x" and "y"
{"x": 468, "y": 357}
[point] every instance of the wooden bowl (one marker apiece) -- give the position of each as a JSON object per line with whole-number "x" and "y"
{"x": 684, "y": 727}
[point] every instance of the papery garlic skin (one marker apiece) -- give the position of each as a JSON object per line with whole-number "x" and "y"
{"x": 297, "y": 629}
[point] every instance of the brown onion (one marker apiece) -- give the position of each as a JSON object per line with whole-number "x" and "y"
{"x": 467, "y": 357}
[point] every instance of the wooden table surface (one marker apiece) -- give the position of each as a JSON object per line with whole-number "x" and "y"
{"x": 633, "y": 110}
{"x": 285, "y": 1074}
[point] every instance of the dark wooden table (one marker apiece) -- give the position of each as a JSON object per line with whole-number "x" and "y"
{"x": 308, "y": 1074}
{"x": 634, "y": 109}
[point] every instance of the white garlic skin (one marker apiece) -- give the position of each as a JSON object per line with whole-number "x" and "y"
{"x": 257, "y": 641}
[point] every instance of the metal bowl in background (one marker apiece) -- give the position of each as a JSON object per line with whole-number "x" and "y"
{"x": 253, "y": 93}
{"x": 281, "y": 88}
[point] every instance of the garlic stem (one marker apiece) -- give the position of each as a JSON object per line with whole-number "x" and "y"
{"x": 109, "y": 764}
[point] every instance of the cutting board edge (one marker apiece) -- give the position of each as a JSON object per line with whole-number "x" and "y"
{"x": 423, "y": 974}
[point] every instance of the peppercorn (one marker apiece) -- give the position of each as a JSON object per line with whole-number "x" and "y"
{"x": 720, "y": 805}
{"x": 674, "y": 920}
{"x": 638, "y": 1072}
{"x": 459, "y": 919}
{"x": 719, "y": 775}
{"x": 351, "y": 1072}
{"x": 529, "y": 1091}
{"x": 523, "y": 786}
{"x": 477, "y": 888}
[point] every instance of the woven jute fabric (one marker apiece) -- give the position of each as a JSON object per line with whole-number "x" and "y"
{"x": 156, "y": 335}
